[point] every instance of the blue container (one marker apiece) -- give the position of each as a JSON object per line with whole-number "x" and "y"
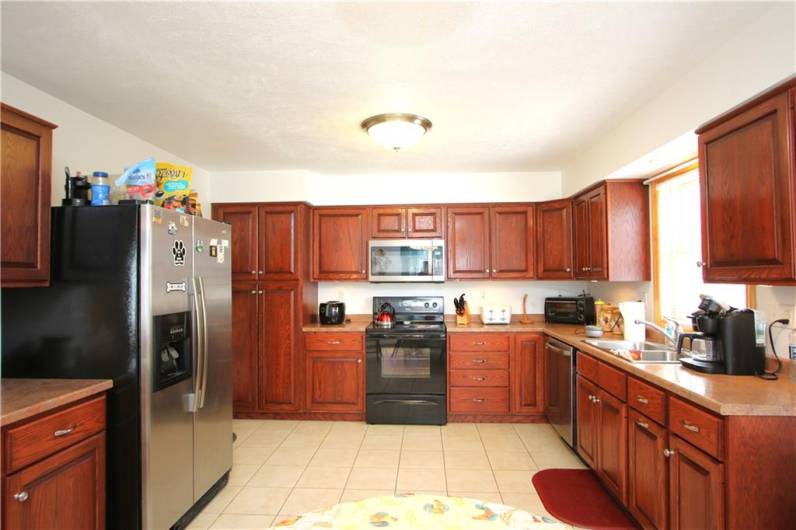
{"x": 100, "y": 189}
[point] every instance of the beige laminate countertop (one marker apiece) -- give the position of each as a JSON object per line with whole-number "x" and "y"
{"x": 727, "y": 395}
{"x": 25, "y": 398}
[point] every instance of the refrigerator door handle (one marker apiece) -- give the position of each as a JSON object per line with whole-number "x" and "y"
{"x": 193, "y": 401}
{"x": 204, "y": 340}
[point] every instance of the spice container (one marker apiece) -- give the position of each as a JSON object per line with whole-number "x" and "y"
{"x": 100, "y": 189}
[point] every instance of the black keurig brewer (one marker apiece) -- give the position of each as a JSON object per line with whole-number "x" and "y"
{"x": 732, "y": 333}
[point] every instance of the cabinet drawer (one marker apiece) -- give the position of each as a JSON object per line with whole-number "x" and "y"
{"x": 37, "y": 439}
{"x": 333, "y": 341}
{"x": 479, "y": 360}
{"x": 479, "y": 342}
{"x": 479, "y": 378}
{"x": 480, "y": 400}
{"x": 612, "y": 380}
{"x": 694, "y": 425}
{"x": 587, "y": 366}
{"x": 646, "y": 399}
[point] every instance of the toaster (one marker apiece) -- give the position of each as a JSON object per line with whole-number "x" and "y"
{"x": 496, "y": 314}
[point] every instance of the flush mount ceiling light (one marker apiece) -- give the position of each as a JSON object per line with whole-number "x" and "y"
{"x": 396, "y": 131}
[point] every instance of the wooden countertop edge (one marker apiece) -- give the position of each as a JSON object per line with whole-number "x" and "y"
{"x": 57, "y": 400}
{"x": 719, "y": 407}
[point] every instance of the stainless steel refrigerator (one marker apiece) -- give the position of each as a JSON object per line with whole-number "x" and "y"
{"x": 140, "y": 295}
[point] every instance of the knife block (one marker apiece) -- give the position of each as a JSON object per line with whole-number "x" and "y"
{"x": 464, "y": 319}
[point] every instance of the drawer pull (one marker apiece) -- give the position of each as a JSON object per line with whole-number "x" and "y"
{"x": 333, "y": 342}
{"x": 596, "y": 399}
{"x": 690, "y": 426}
{"x": 478, "y": 400}
{"x": 479, "y": 343}
{"x": 22, "y": 496}
{"x": 668, "y": 452}
{"x": 479, "y": 361}
{"x": 478, "y": 378}
{"x": 64, "y": 432}
{"x": 643, "y": 424}
{"x": 642, "y": 400}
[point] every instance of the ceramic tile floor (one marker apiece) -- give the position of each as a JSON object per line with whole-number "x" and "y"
{"x": 283, "y": 468}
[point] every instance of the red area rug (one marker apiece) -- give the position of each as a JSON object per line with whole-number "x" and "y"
{"x": 575, "y": 496}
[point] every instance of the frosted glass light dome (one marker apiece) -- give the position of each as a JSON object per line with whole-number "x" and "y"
{"x": 396, "y": 131}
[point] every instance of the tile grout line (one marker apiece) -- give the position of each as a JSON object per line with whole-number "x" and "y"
{"x": 351, "y": 469}
{"x": 293, "y": 488}
{"x": 491, "y": 469}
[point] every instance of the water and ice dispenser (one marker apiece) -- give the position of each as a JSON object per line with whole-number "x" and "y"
{"x": 172, "y": 352}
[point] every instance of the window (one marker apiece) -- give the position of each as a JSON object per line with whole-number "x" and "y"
{"x": 677, "y": 248}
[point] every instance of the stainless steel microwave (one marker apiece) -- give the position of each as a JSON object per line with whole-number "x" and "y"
{"x": 407, "y": 260}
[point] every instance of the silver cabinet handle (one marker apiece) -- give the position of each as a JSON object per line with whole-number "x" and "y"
{"x": 22, "y": 496}
{"x": 64, "y": 432}
{"x": 479, "y": 343}
{"x": 690, "y": 426}
{"x": 567, "y": 270}
{"x": 668, "y": 452}
{"x": 642, "y": 400}
{"x": 700, "y": 264}
{"x": 259, "y": 292}
{"x": 486, "y": 270}
{"x": 363, "y": 271}
{"x": 479, "y": 361}
{"x": 254, "y": 272}
{"x": 333, "y": 342}
{"x": 254, "y": 291}
{"x": 261, "y": 272}
{"x": 478, "y": 378}
{"x": 478, "y": 400}
{"x": 596, "y": 399}
{"x": 643, "y": 424}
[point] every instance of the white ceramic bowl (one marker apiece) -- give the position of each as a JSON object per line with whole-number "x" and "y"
{"x": 594, "y": 331}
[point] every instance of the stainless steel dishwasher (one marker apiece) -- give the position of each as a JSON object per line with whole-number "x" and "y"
{"x": 560, "y": 409}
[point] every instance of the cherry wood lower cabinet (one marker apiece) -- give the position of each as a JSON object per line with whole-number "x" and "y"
{"x": 65, "y": 486}
{"x": 280, "y": 366}
{"x": 612, "y": 443}
{"x": 335, "y": 377}
{"x": 25, "y": 175}
{"x": 647, "y": 492}
{"x": 245, "y": 347}
{"x": 587, "y": 417}
{"x": 696, "y": 488}
{"x": 527, "y": 369}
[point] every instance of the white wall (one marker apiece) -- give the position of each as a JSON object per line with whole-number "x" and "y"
{"x": 358, "y": 295}
{"x": 761, "y": 54}
{"x": 86, "y": 143}
{"x": 328, "y": 189}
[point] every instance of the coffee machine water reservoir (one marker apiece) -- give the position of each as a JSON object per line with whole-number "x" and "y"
{"x": 172, "y": 352}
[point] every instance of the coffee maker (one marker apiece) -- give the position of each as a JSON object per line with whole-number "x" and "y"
{"x": 724, "y": 342}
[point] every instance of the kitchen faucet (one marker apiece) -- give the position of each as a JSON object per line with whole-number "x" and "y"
{"x": 670, "y": 337}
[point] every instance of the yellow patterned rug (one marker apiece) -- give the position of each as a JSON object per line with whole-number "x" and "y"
{"x": 410, "y": 511}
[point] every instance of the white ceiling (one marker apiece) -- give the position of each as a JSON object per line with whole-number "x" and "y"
{"x": 509, "y": 86}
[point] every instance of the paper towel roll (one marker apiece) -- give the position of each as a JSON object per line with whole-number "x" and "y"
{"x": 632, "y": 311}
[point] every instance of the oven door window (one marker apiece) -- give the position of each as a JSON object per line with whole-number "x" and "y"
{"x": 404, "y": 359}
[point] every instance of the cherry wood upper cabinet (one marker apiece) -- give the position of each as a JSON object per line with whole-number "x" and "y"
{"x": 245, "y": 324}
{"x": 612, "y": 232}
{"x": 747, "y": 172}
{"x": 280, "y": 367}
{"x": 243, "y": 247}
{"x": 696, "y": 496}
{"x": 468, "y": 242}
{"x": 25, "y": 190}
{"x": 339, "y": 243}
{"x": 647, "y": 487}
{"x": 416, "y": 222}
{"x": 527, "y": 368}
{"x": 554, "y": 240}
{"x": 268, "y": 239}
{"x": 512, "y": 241}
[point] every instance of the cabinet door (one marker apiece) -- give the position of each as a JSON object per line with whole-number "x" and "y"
{"x": 554, "y": 240}
{"x": 243, "y": 247}
{"x": 587, "y": 422}
{"x": 245, "y": 321}
{"x": 25, "y": 190}
{"x": 468, "y": 242}
{"x": 696, "y": 496}
{"x": 279, "y": 365}
{"x": 582, "y": 260}
{"x": 746, "y": 173}
{"x": 598, "y": 236}
{"x": 65, "y": 490}
{"x": 527, "y": 374}
{"x": 612, "y": 443}
{"x": 339, "y": 243}
{"x": 425, "y": 223}
{"x": 512, "y": 241}
{"x": 647, "y": 487}
{"x": 335, "y": 381}
{"x": 388, "y": 222}
{"x": 278, "y": 243}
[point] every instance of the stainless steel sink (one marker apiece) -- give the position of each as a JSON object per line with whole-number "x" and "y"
{"x": 638, "y": 352}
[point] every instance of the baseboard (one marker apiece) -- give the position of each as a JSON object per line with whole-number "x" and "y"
{"x": 496, "y": 418}
{"x": 320, "y": 416}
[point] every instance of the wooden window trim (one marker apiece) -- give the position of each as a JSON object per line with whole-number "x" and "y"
{"x": 691, "y": 164}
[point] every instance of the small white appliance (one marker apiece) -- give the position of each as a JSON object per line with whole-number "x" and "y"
{"x": 496, "y": 314}
{"x": 633, "y": 312}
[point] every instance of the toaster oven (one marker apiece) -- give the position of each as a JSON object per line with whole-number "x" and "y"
{"x": 569, "y": 310}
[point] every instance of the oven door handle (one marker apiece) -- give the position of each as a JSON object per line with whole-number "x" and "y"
{"x": 414, "y": 402}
